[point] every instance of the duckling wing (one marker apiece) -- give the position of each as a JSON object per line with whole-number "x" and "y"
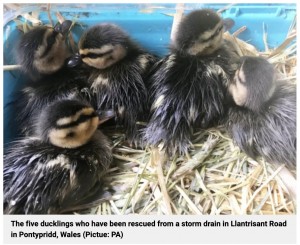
{"x": 93, "y": 198}
{"x": 88, "y": 164}
{"x": 277, "y": 134}
{"x": 242, "y": 126}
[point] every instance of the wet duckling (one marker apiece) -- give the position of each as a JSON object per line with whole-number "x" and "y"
{"x": 43, "y": 55}
{"x": 43, "y": 50}
{"x": 60, "y": 167}
{"x": 189, "y": 86}
{"x": 118, "y": 67}
{"x": 263, "y": 121}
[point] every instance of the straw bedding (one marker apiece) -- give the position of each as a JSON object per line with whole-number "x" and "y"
{"x": 215, "y": 178}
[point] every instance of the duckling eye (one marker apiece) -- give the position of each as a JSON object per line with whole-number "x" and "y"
{"x": 213, "y": 35}
{"x": 240, "y": 78}
{"x": 95, "y": 56}
{"x": 51, "y": 39}
{"x": 70, "y": 135}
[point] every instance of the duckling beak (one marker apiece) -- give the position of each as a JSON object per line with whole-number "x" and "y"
{"x": 228, "y": 24}
{"x": 75, "y": 60}
{"x": 105, "y": 116}
{"x": 63, "y": 28}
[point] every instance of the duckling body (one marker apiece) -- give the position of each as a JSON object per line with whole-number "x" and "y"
{"x": 263, "y": 121}
{"x": 43, "y": 55}
{"x": 118, "y": 68}
{"x": 60, "y": 167}
{"x": 189, "y": 86}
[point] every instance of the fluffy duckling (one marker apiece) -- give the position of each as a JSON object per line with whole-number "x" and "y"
{"x": 118, "y": 67}
{"x": 60, "y": 167}
{"x": 43, "y": 55}
{"x": 189, "y": 86}
{"x": 263, "y": 122}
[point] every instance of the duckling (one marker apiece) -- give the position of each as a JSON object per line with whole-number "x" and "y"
{"x": 60, "y": 167}
{"x": 189, "y": 86}
{"x": 263, "y": 120}
{"x": 43, "y": 50}
{"x": 118, "y": 68}
{"x": 43, "y": 55}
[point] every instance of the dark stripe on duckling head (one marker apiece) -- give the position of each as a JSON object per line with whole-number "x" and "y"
{"x": 103, "y": 57}
{"x": 74, "y": 130}
{"x": 216, "y": 33}
{"x": 95, "y": 55}
{"x": 81, "y": 119}
{"x": 51, "y": 39}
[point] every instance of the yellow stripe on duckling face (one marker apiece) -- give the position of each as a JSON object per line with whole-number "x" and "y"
{"x": 103, "y": 49}
{"x": 207, "y": 43}
{"x": 238, "y": 90}
{"x": 74, "y": 118}
{"x": 102, "y": 62}
{"x": 55, "y": 58}
{"x": 74, "y": 136}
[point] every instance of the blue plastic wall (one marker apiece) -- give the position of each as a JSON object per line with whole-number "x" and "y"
{"x": 150, "y": 25}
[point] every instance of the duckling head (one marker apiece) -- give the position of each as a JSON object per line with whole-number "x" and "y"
{"x": 102, "y": 46}
{"x": 43, "y": 50}
{"x": 254, "y": 83}
{"x": 67, "y": 124}
{"x": 201, "y": 32}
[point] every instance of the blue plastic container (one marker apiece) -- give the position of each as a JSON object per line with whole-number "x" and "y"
{"x": 148, "y": 24}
